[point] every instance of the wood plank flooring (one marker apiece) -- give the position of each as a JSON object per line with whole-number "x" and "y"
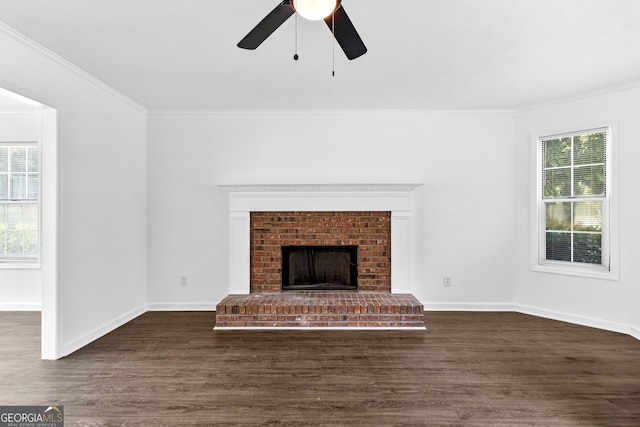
{"x": 467, "y": 369}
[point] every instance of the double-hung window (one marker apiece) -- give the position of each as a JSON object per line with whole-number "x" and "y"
{"x": 19, "y": 203}
{"x": 574, "y": 202}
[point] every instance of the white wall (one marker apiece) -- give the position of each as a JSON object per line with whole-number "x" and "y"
{"x": 102, "y": 189}
{"x": 123, "y": 243}
{"x": 601, "y": 303}
{"x": 463, "y": 216}
{"x": 20, "y": 288}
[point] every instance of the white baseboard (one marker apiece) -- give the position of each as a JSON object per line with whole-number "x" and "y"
{"x": 181, "y": 306}
{"x": 468, "y": 306}
{"x": 100, "y": 331}
{"x": 20, "y": 307}
{"x": 573, "y": 318}
{"x": 537, "y": 311}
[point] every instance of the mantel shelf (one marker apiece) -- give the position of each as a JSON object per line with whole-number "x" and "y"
{"x": 323, "y": 188}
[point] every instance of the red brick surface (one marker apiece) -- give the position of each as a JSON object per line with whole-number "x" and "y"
{"x": 320, "y": 309}
{"x": 370, "y": 231}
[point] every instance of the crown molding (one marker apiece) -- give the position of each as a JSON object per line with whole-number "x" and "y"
{"x": 21, "y": 38}
{"x": 579, "y": 96}
{"x": 328, "y": 112}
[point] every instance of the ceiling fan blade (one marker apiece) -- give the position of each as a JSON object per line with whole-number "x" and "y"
{"x": 267, "y": 26}
{"x": 346, "y": 34}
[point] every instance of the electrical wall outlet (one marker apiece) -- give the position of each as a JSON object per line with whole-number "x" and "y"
{"x": 446, "y": 281}
{"x": 183, "y": 281}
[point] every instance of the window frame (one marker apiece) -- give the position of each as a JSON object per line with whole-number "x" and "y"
{"x": 609, "y": 269}
{"x": 27, "y": 263}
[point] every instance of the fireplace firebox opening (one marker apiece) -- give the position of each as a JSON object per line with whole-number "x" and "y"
{"x": 319, "y": 267}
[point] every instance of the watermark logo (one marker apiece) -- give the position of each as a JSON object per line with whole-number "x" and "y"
{"x": 31, "y": 416}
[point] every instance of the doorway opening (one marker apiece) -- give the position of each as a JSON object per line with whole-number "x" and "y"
{"x": 31, "y": 284}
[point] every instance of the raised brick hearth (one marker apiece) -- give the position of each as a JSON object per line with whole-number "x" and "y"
{"x": 319, "y": 309}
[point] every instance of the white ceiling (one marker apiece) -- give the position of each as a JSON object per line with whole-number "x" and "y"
{"x": 423, "y": 54}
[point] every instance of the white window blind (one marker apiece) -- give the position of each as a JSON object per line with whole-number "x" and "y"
{"x": 574, "y": 200}
{"x": 19, "y": 202}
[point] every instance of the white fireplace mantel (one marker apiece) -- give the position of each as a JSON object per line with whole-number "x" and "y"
{"x": 244, "y": 199}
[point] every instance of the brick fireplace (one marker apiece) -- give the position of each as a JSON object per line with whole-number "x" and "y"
{"x": 369, "y": 231}
{"x": 374, "y": 219}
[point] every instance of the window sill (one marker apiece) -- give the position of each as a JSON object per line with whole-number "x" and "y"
{"x": 593, "y": 272}
{"x": 13, "y": 265}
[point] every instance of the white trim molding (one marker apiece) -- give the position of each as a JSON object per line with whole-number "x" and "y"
{"x": 20, "y": 306}
{"x": 181, "y": 306}
{"x": 611, "y": 215}
{"x": 468, "y": 306}
{"x": 21, "y": 38}
{"x": 102, "y": 330}
{"x": 576, "y": 319}
{"x": 394, "y": 198}
{"x": 331, "y": 188}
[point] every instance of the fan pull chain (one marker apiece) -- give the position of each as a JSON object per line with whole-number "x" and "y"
{"x": 295, "y": 56}
{"x": 333, "y": 44}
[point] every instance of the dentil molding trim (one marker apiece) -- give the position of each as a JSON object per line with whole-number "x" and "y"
{"x": 244, "y": 188}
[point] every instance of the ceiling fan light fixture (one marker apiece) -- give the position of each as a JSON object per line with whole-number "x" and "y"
{"x": 315, "y": 10}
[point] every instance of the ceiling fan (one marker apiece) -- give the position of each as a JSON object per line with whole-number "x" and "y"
{"x": 331, "y": 11}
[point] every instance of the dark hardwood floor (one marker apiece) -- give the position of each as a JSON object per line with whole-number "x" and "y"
{"x": 475, "y": 369}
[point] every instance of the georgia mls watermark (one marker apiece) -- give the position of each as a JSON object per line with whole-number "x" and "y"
{"x": 31, "y": 416}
